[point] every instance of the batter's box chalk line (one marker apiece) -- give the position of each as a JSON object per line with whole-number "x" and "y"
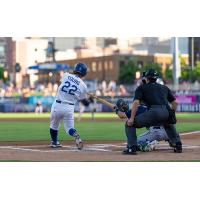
{"x": 91, "y": 148}
{"x": 63, "y": 149}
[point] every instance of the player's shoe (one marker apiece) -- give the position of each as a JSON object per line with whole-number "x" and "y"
{"x": 147, "y": 146}
{"x": 55, "y": 145}
{"x": 78, "y": 142}
{"x": 151, "y": 146}
{"x": 130, "y": 151}
{"x": 178, "y": 147}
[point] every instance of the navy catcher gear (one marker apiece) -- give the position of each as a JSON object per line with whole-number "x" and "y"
{"x": 81, "y": 69}
{"x": 122, "y": 105}
{"x": 151, "y": 74}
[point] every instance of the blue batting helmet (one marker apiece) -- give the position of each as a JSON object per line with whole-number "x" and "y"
{"x": 80, "y": 68}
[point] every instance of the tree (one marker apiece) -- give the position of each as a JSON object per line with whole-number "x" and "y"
{"x": 127, "y": 72}
{"x": 169, "y": 73}
{"x": 2, "y": 70}
{"x": 155, "y": 66}
{"x": 182, "y": 61}
{"x": 1, "y": 73}
{"x": 188, "y": 73}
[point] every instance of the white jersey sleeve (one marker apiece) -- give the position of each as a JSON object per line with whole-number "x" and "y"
{"x": 71, "y": 89}
{"x": 83, "y": 92}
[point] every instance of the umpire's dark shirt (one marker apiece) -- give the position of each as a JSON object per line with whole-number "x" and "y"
{"x": 154, "y": 94}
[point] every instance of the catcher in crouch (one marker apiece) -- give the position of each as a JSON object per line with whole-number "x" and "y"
{"x": 148, "y": 140}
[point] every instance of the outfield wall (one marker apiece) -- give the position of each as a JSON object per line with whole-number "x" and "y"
{"x": 187, "y": 103}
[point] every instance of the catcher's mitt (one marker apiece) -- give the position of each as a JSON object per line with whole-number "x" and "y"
{"x": 122, "y": 105}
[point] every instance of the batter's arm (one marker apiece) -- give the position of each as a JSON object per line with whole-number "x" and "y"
{"x": 103, "y": 101}
{"x": 120, "y": 114}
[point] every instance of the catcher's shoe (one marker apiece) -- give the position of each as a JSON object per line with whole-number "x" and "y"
{"x": 130, "y": 151}
{"x": 178, "y": 147}
{"x": 55, "y": 145}
{"x": 151, "y": 145}
{"x": 78, "y": 142}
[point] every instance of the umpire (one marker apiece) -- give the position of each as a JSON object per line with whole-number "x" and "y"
{"x": 161, "y": 106}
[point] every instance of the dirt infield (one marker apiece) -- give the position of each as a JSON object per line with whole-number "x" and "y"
{"x": 98, "y": 151}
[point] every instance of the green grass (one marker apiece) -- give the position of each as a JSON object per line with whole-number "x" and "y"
{"x": 188, "y": 115}
{"x": 26, "y": 131}
{"x": 29, "y": 131}
{"x": 87, "y": 115}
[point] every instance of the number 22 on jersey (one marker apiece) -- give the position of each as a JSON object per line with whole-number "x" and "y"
{"x": 69, "y": 88}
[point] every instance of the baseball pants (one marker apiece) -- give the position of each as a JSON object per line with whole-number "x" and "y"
{"x": 63, "y": 112}
{"x": 158, "y": 116}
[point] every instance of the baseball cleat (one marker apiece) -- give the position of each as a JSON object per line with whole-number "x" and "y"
{"x": 178, "y": 147}
{"x": 130, "y": 151}
{"x": 55, "y": 145}
{"x": 151, "y": 145}
{"x": 78, "y": 142}
{"x": 147, "y": 146}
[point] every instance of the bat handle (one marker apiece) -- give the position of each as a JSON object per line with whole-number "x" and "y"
{"x": 92, "y": 95}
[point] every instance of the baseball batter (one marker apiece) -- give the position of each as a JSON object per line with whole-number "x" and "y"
{"x": 71, "y": 89}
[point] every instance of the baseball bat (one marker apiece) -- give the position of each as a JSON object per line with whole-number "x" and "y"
{"x": 103, "y": 101}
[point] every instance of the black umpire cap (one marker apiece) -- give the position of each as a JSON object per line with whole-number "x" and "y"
{"x": 151, "y": 74}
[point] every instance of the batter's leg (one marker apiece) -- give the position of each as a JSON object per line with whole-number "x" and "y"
{"x": 54, "y": 126}
{"x": 68, "y": 122}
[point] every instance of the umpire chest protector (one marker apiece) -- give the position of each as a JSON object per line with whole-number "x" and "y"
{"x": 154, "y": 94}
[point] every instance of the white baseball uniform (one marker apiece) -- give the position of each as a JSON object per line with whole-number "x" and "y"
{"x": 154, "y": 133}
{"x": 71, "y": 89}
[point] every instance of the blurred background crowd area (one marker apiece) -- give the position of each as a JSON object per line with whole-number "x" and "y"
{"x": 32, "y": 66}
{"x": 101, "y": 89}
{"x": 110, "y": 89}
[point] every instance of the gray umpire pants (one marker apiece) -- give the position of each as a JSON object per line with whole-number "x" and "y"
{"x": 156, "y": 116}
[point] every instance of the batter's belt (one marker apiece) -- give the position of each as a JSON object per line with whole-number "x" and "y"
{"x": 61, "y": 102}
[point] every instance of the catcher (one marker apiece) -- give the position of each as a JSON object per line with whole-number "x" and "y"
{"x": 148, "y": 140}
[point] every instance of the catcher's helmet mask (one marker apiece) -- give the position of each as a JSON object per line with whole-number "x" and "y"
{"x": 80, "y": 69}
{"x": 122, "y": 105}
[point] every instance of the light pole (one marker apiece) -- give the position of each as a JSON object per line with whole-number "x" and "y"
{"x": 176, "y": 63}
{"x": 103, "y": 66}
{"x": 192, "y": 52}
{"x": 54, "y": 50}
